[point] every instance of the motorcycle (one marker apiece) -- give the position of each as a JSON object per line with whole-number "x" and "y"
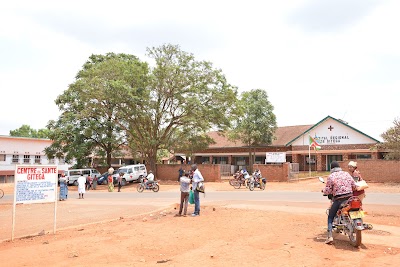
{"x": 240, "y": 178}
{"x": 257, "y": 181}
{"x": 153, "y": 185}
{"x": 349, "y": 219}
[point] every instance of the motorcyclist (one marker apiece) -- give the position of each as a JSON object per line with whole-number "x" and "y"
{"x": 341, "y": 185}
{"x": 357, "y": 177}
{"x": 149, "y": 178}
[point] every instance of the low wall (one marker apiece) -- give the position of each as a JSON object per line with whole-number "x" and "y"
{"x": 379, "y": 171}
{"x": 170, "y": 172}
{"x": 274, "y": 172}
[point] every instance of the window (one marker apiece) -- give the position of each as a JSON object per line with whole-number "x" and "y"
{"x": 142, "y": 168}
{"x": 136, "y": 169}
{"x": 363, "y": 156}
{"x": 15, "y": 159}
{"x": 37, "y": 159}
{"x": 2, "y": 157}
{"x": 27, "y": 158}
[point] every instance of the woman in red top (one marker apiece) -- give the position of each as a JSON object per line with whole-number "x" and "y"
{"x": 357, "y": 177}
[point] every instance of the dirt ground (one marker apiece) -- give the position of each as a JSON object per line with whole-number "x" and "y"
{"x": 226, "y": 234}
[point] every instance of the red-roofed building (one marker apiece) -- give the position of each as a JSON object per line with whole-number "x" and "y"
{"x": 338, "y": 140}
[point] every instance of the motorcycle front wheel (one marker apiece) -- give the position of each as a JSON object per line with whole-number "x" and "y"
{"x": 140, "y": 188}
{"x": 251, "y": 186}
{"x": 236, "y": 184}
{"x": 355, "y": 237}
{"x": 156, "y": 188}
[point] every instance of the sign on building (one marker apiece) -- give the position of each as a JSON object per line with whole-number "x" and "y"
{"x": 275, "y": 157}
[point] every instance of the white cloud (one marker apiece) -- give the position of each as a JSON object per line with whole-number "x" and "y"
{"x": 313, "y": 58}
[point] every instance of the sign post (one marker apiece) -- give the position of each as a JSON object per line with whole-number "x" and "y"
{"x": 35, "y": 184}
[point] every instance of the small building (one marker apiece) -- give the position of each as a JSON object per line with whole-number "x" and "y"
{"x": 24, "y": 151}
{"x": 338, "y": 140}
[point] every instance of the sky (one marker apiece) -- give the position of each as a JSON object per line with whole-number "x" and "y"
{"x": 314, "y": 58}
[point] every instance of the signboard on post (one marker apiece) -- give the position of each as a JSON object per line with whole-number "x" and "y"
{"x": 275, "y": 157}
{"x": 35, "y": 184}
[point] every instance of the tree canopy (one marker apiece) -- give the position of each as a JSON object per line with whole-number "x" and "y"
{"x": 391, "y": 141}
{"x": 87, "y": 124}
{"x": 117, "y": 99}
{"x": 27, "y": 131}
{"x": 257, "y": 124}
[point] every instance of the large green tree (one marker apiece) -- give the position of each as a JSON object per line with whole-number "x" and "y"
{"x": 257, "y": 125}
{"x": 87, "y": 125}
{"x": 183, "y": 98}
{"x": 27, "y": 131}
{"x": 391, "y": 141}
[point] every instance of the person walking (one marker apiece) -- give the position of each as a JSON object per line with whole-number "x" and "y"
{"x": 184, "y": 186}
{"x": 121, "y": 174}
{"x": 341, "y": 185}
{"x": 197, "y": 177}
{"x": 357, "y": 178}
{"x": 81, "y": 186}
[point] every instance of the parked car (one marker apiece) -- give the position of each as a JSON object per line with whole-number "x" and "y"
{"x": 103, "y": 179}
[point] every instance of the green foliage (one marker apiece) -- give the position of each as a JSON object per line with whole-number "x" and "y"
{"x": 89, "y": 107}
{"x": 181, "y": 99}
{"x": 27, "y": 131}
{"x": 257, "y": 125}
{"x": 118, "y": 100}
{"x": 391, "y": 141}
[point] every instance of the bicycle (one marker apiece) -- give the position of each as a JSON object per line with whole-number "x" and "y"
{"x": 1, "y": 193}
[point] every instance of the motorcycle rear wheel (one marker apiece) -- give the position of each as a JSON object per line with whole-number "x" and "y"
{"x": 355, "y": 237}
{"x": 156, "y": 188}
{"x": 262, "y": 186}
{"x": 140, "y": 188}
{"x": 232, "y": 182}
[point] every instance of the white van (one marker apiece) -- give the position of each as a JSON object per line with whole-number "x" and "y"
{"x": 73, "y": 175}
{"x": 133, "y": 172}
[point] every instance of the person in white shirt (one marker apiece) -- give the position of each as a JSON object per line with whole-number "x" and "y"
{"x": 197, "y": 177}
{"x": 149, "y": 178}
{"x": 81, "y": 185}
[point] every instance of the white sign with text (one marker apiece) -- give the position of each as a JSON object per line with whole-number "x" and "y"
{"x": 35, "y": 183}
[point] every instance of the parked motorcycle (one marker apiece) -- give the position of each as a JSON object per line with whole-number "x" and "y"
{"x": 349, "y": 219}
{"x": 150, "y": 186}
{"x": 257, "y": 181}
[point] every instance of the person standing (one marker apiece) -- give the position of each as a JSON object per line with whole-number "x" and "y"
{"x": 95, "y": 182}
{"x": 341, "y": 185}
{"x": 110, "y": 180}
{"x": 81, "y": 186}
{"x": 121, "y": 174}
{"x": 185, "y": 183}
{"x": 357, "y": 177}
{"x": 181, "y": 172}
{"x": 63, "y": 187}
{"x": 197, "y": 177}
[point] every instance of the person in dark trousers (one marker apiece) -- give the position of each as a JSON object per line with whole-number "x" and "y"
{"x": 197, "y": 177}
{"x": 120, "y": 181}
{"x": 341, "y": 185}
{"x": 185, "y": 184}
